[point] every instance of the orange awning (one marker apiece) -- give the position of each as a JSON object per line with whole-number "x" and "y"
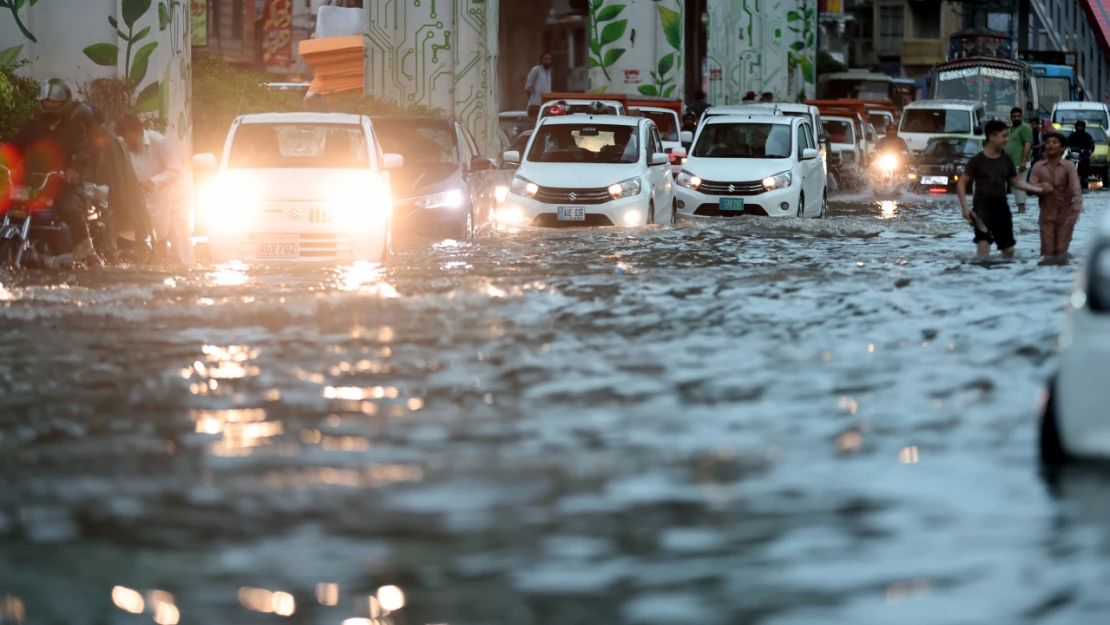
{"x": 338, "y": 62}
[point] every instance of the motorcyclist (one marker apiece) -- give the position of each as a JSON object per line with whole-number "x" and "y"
{"x": 1081, "y": 141}
{"x": 60, "y": 138}
{"x": 892, "y": 143}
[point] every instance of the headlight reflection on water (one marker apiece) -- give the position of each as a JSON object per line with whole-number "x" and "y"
{"x": 888, "y": 209}
{"x": 229, "y": 274}
{"x": 364, "y": 276}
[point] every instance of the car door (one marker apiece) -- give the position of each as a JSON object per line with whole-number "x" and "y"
{"x": 654, "y": 172}
{"x": 813, "y": 177}
{"x": 481, "y": 181}
{"x": 660, "y": 174}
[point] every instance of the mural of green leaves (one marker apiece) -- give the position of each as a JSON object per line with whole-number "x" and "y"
{"x": 801, "y": 22}
{"x": 14, "y": 6}
{"x": 10, "y": 56}
{"x": 610, "y": 33}
{"x": 135, "y": 66}
{"x": 671, "y": 21}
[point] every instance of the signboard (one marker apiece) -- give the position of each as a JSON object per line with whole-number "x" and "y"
{"x": 990, "y": 72}
{"x": 632, "y": 77}
{"x": 198, "y": 28}
{"x": 277, "y": 45}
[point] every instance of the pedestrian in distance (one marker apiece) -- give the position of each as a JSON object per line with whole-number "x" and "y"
{"x": 1063, "y": 201}
{"x": 1041, "y": 130}
{"x": 539, "y": 80}
{"x": 749, "y": 97}
{"x": 767, "y": 97}
{"x": 699, "y": 105}
{"x": 1017, "y": 149}
{"x": 990, "y": 171}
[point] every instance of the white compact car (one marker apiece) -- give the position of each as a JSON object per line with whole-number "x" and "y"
{"x": 299, "y": 187}
{"x": 927, "y": 119}
{"x": 590, "y": 170}
{"x": 753, "y": 165}
{"x": 1076, "y": 423}
{"x": 1094, "y": 113}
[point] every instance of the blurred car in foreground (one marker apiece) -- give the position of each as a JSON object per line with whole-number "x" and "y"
{"x": 940, "y": 165}
{"x": 298, "y": 186}
{"x": 445, "y": 186}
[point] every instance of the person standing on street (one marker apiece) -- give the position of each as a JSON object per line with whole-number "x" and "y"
{"x": 699, "y": 105}
{"x": 767, "y": 97}
{"x": 1017, "y": 149}
{"x": 1061, "y": 205}
{"x": 158, "y": 169}
{"x": 539, "y": 80}
{"x": 991, "y": 170}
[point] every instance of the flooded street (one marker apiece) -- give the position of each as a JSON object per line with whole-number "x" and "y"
{"x": 750, "y": 421}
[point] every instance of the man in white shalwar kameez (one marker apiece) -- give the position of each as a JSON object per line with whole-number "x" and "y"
{"x": 158, "y": 168}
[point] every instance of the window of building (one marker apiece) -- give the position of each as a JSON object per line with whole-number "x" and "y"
{"x": 891, "y": 20}
{"x": 237, "y": 19}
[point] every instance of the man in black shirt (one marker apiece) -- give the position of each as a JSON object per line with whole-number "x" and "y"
{"x": 1081, "y": 139}
{"x": 990, "y": 171}
{"x": 891, "y": 142}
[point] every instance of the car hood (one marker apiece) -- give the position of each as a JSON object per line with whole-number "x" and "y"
{"x": 737, "y": 169}
{"x": 578, "y": 175}
{"x": 943, "y": 160}
{"x": 424, "y": 179}
{"x": 286, "y": 185}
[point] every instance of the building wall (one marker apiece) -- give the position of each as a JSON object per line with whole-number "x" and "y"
{"x": 438, "y": 54}
{"x": 637, "y": 47}
{"x": 762, "y": 45}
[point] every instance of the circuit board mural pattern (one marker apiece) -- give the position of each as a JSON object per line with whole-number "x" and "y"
{"x": 437, "y": 53}
{"x": 762, "y": 45}
{"x": 636, "y": 47}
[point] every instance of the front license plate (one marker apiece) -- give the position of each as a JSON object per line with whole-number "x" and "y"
{"x": 276, "y": 248}
{"x": 732, "y": 203}
{"x": 21, "y": 194}
{"x": 572, "y": 213}
{"x": 934, "y": 180}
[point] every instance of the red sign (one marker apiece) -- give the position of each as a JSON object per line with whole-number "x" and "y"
{"x": 631, "y": 76}
{"x": 715, "y": 74}
{"x": 277, "y": 46}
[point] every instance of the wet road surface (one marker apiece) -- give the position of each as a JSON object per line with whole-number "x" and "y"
{"x": 752, "y": 421}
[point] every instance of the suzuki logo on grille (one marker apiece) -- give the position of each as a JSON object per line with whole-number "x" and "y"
{"x": 573, "y": 196}
{"x": 731, "y": 188}
{"x": 296, "y": 212}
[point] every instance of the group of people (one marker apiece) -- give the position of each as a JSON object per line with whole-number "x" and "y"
{"x": 140, "y": 167}
{"x": 1002, "y": 164}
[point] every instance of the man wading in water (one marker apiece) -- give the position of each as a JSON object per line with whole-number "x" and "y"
{"x": 990, "y": 170}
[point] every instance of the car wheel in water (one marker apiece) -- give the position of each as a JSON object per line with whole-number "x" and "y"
{"x": 801, "y": 206}
{"x": 824, "y": 205}
{"x": 651, "y": 213}
{"x": 674, "y": 212}
{"x": 387, "y": 249}
{"x": 1052, "y": 448}
{"x": 464, "y": 230}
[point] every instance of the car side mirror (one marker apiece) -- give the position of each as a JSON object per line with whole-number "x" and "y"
{"x": 481, "y": 163}
{"x": 392, "y": 161}
{"x": 679, "y": 152}
{"x": 205, "y": 161}
{"x": 686, "y": 136}
{"x": 978, "y": 131}
{"x": 809, "y": 154}
{"x": 512, "y": 156}
{"x": 659, "y": 158}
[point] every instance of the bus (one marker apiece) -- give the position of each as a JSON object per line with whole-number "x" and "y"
{"x": 1055, "y": 83}
{"x": 982, "y": 66}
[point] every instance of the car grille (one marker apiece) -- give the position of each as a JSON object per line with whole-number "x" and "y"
{"x": 714, "y": 210}
{"x": 551, "y": 220}
{"x": 731, "y": 188}
{"x": 552, "y": 195}
{"x": 320, "y": 216}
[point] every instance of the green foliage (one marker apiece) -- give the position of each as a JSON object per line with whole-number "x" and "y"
{"x": 611, "y": 33}
{"x": 10, "y": 56}
{"x": 222, "y": 92}
{"x": 18, "y": 101}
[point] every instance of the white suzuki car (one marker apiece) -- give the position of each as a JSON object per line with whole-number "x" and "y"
{"x": 753, "y": 165}
{"x": 1076, "y": 423}
{"x": 301, "y": 187}
{"x": 590, "y": 170}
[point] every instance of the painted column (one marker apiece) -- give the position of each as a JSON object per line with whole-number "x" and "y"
{"x": 147, "y": 41}
{"x": 636, "y": 47}
{"x": 440, "y": 54}
{"x": 762, "y": 45}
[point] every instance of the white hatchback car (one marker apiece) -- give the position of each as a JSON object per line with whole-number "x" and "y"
{"x": 300, "y": 187}
{"x": 590, "y": 170}
{"x": 753, "y": 165}
{"x": 1076, "y": 423}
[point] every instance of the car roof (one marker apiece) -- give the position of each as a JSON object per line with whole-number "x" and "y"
{"x": 658, "y": 109}
{"x": 579, "y": 118}
{"x": 755, "y": 117}
{"x": 944, "y": 104}
{"x": 511, "y": 114}
{"x": 826, "y": 118}
{"x": 583, "y": 101}
{"x": 300, "y": 118}
{"x": 860, "y": 74}
{"x": 1090, "y": 106}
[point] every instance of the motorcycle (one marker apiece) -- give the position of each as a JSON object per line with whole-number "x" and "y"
{"x": 888, "y": 174}
{"x": 1082, "y": 161}
{"x": 33, "y": 235}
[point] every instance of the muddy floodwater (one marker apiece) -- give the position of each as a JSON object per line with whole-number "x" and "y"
{"x": 740, "y": 422}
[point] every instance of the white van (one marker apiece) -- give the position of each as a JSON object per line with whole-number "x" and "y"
{"x": 925, "y": 119}
{"x": 1094, "y": 113}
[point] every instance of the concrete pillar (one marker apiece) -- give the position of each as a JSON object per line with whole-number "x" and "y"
{"x": 637, "y": 47}
{"x": 762, "y": 45}
{"x": 521, "y": 40}
{"x": 437, "y": 53}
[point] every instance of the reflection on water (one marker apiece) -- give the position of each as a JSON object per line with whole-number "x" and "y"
{"x": 888, "y": 209}
{"x": 240, "y": 431}
{"x": 233, "y": 273}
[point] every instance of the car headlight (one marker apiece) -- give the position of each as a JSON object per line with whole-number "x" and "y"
{"x": 778, "y": 181}
{"x": 523, "y": 186}
{"x": 625, "y": 188}
{"x": 500, "y": 193}
{"x": 688, "y": 180}
{"x": 229, "y": 202}
{"x": 447, "y": 199}
{"x": 357, "y": 201}
{"x": 887, "y": 162}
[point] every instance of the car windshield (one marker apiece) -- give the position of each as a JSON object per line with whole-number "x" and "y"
{"x": 998, "y": 89}
{"x": 592, "y": 143}
{"x": 839, "y": 130}
{"x": 953, "y": 147}
{"x": 744, "y": 140}
{"x": 666, "y": 121}
{"x": 1070, "y": 116}
{"x": 1098, "y": 134}
{"x": 878, "y": 120}
{"x": 1052, "y": 89}
{"x": 419, "y": 141}
{"x": 299, "y": 146}
{"x": 934, "y": 121}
